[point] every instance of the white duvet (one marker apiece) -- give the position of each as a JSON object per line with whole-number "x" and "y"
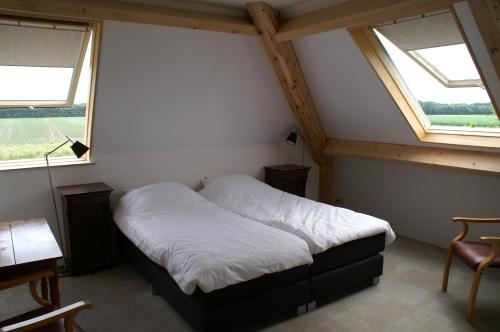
{"x": 200, "y": 244}
{"x": 322, "y": 226}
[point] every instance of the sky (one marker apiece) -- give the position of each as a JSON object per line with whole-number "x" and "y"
{"x": 455, "y": 62}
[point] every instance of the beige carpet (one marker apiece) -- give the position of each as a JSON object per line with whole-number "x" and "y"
{"x": 408, "y": 298}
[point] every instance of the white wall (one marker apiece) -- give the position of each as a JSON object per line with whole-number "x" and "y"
{"x": 172, "y": 104}
{"x": 353, "y": 104}
{"x": 419, "y": 202}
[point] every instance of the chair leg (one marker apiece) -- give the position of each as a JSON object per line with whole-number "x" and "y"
{"x": 473, "y": 294}
{"x": 446, "y": 272}
{"x": 477, "y": 279}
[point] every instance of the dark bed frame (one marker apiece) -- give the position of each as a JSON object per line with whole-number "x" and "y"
{"x": 335, "y": 271}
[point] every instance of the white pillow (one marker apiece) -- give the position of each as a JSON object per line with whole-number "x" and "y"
{"x": 160, "y": 197}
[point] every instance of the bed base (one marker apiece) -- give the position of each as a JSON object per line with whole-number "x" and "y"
{"x": 233, "y": 307}
{"x": 295, "y": 291}
{"x": 347, "y": 278}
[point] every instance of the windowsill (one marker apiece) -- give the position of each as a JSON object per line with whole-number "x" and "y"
{"x": 40, "y": 163}
{"x": 488, "y": 132}
{"x": 462, "y": 139}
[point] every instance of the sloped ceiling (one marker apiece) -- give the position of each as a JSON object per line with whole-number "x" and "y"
{"x": 351, "y": 100}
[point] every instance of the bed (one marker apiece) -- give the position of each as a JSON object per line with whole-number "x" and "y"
{"x": 218, "y": 269}
{"x": 346, "y": 245}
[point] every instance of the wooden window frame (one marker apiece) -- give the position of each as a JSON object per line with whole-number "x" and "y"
{"x": 380, "y": 61}
{"x": 96, "y": 28}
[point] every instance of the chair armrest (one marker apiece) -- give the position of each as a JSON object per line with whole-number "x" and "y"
{"x": 495, "y": 252}
{"x": 491, "y": 239}
{"x": 477, "y": 220}
{"x": 465, "y": 224}
{"x": 67, "y": 312}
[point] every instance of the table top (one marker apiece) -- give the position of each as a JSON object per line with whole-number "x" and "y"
{"x": 81, "y": 189}
{"x": 26, "y": 241}
{"x": 287, "y": 167}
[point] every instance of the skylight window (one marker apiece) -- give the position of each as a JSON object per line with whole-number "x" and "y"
{"x": 47, "y": 80}
{"x": 40, "y": 62}
{"x": 426, "y": 65}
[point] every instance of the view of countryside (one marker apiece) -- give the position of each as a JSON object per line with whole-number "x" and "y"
{"x": 27, "y": 133}
{"x": 477, "y": 115}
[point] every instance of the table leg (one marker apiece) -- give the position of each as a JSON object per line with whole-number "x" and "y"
{"x": 44, "y": 289}
{"x": 55, "y": 298}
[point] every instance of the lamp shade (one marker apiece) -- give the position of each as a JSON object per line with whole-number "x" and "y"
{"x": 292, "y": 138}
{"x": 79, "y": 149}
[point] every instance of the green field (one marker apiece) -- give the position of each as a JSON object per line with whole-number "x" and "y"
{"x": 471, "y": 121}
{"x": 26, "y": 138}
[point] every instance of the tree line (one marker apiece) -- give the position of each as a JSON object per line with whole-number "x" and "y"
{"x": 433, "y": 108}
{"x": 429, "y": 107}
{"x": 43, "y": 112}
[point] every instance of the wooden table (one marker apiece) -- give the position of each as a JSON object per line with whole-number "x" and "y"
{"x": 29, "y": 251}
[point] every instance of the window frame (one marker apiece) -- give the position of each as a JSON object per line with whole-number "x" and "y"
{"x": 95, "y": 27}
{"x": 375, "y": 53}
{"x": 438, "y": 75}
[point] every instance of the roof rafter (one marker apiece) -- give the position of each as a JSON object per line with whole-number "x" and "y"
{"x": 94, "y": 10}
{"x": 483, "y": 162}
{"x": 294, "y": 85}
{"x": 355, "y": 13}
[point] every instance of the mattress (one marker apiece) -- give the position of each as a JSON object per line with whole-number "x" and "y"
{"x": 322, "y": 226}
{"x": 201, "y": 245}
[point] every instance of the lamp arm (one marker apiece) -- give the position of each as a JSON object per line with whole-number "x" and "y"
{"x": 57, "y": 148}
{"x": 55, "y": 205}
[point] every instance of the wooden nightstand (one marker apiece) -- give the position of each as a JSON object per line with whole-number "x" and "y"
{"x": 87, "y": 226}
{"x": 289, "y": 178}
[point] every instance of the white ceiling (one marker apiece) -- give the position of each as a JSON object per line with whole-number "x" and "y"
{"x": 287, "y": 8}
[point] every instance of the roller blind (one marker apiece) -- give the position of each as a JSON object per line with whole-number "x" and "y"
{"x": 40, "y": 45}
{"x": 41, "y": 61}
{"x": 433, "y": 30}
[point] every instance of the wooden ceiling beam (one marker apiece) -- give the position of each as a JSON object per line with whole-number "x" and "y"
{"x": 482, "y": 162}
{"x": 94, "y": 10}
{"x": 487, "y": 16}
{"x": 294, "y": 85}
{"x": 355, "y": 13}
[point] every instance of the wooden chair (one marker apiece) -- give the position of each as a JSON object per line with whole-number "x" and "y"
{"x": 476, "y": 255}
{"x": 48, "y": 317}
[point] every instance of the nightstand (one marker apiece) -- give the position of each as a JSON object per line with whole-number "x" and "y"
{"x": 87, "y": 226}
{"x": 289, "y": 178}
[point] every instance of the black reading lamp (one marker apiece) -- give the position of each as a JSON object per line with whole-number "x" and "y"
{"x": 292, "y": 139}
{"x": 79, "y": 150}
